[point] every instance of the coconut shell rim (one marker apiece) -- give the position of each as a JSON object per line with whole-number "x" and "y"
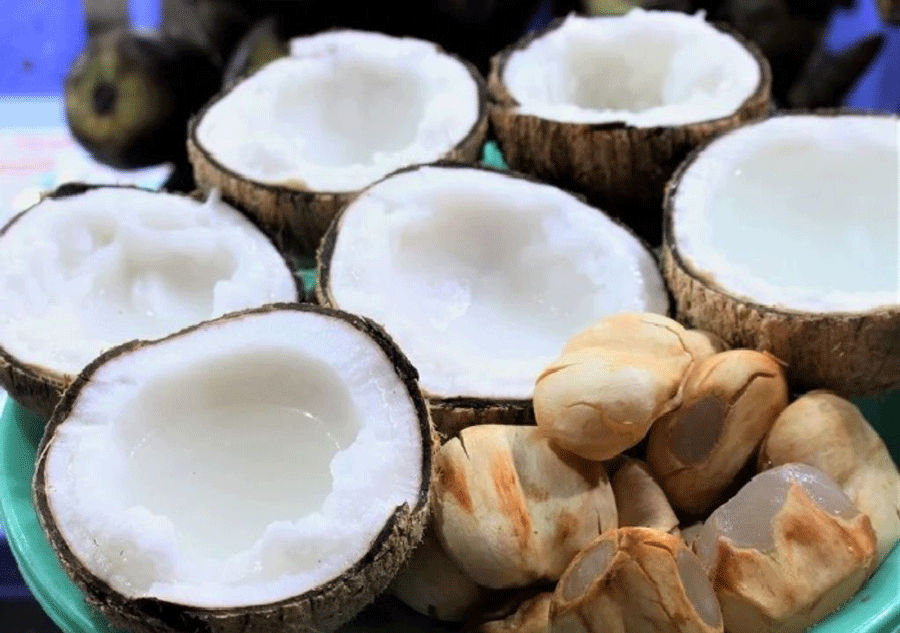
{"x": 93, "y": 586}
{"x": 193, "y": 140}
{"x": 670, "y": 246}
{"x": 502, "y": 99}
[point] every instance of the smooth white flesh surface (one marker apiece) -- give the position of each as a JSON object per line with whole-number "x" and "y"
{"x": 481, "y": 278}
{"x": 82, "y": 274}
{"x": 343, "y": 110}
{"x": 746, "y": 519}
{"x": 245, "y": 463}
{"x": 644, "y": 69}
{"x": 797, "y": 212}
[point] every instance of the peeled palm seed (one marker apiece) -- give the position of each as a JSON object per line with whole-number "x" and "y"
{"x": 511, "y": 509}
{"x": 640, "y": 501}
{"x": 635, "y": 580}
{"x": 729, "y": 402}
{"x": 829, "y": 433}
{"x": 433, "y": 585}
{"x": 532, "y": 616}
{"x": 611, "y": 383}
{"x": 690, "y": 532}
{"x": 786, "y": 551}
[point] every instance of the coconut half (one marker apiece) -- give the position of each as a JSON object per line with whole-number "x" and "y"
{"x": 609, "y": 106}
{"x": 784, "y": 236}
{"x": 481, "y": 277}
{"x": 88, "y": 268}
{"x": 294, "y": 142}
{"x": 265, "y": 471}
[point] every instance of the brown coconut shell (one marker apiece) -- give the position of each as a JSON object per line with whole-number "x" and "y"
{"x": 619, "y": 167}
{"x": 324, "y": 608}
{"x": 293, "y": 214}
{"x": 852, "y": 354}
{"x": 36, "y": 388}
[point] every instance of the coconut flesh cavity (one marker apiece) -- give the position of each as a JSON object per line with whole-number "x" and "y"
{"x": 344, "y": 109}
{"x": 243, "y": 462}
{"x": 796, "y": 212}
{"x": 82, "y": 273}
{"x": 468, "y": 268}
{"x": 658, "y": 68}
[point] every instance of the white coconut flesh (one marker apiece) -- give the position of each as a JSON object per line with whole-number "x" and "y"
{"x": 481, "y": 277}
{"x": 746, "y": 519}
{"x": 343, "y": 110}
{"x": 243, "y": 463}
{"x": 644, "y": 69}
{"x": 83, "y": 273}
{"x": 797, "y": 212}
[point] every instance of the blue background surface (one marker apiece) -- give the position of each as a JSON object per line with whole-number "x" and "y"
{"x": 879, "y": 89}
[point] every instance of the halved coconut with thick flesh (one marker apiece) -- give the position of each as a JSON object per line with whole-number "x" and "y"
{"x": 266, "y": 471}
{"x": 481, "y": 277}
{"x": 783, "y": 236}
{"x": 609, "y": 106}
{"x": 89, "y": 268}
{"x": 296, "y": 141}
